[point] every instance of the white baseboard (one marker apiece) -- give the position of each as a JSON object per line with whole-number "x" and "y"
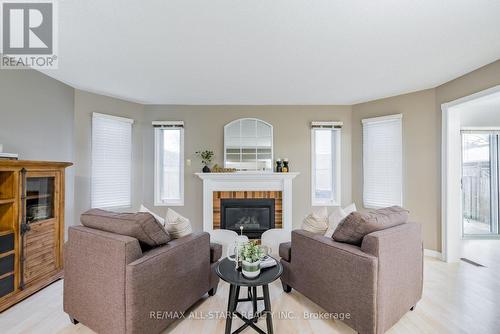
{"x": 433, "y": 253}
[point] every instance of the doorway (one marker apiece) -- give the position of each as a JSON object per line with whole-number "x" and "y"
{"x": 476, "y": 112}
{"x": 480, "y": 183}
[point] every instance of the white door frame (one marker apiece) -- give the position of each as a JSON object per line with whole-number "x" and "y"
{"x": 451, "y": 171}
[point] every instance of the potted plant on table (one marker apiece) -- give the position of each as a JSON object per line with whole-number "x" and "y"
{"x": 251, "y": 255}
{"x": 206, "y": 157}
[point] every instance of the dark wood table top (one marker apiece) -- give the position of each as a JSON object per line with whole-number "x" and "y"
{"x": 227, "y": 272}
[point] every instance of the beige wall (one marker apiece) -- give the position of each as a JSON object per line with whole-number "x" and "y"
{"x": 36, "y": 121}
{"x": 52, "y": 121}
{"x": 85, "y": 104}
{"x": 422, "y": 144}
{"x": 204, "y": 130}
{"x": 483, "y": 78}
{"x": 420, "y": 159}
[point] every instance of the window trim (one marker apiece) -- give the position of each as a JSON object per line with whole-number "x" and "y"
{"x": 112, "y": 117}
{"x": 159, "y": 125}
{"x": 336, "y": 128}
{"x": 380, "y": 119}
{"x": 119, "y": 119}
{"x": 383, "y": 119}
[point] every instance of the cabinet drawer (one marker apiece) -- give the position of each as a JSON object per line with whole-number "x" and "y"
{"x": 6, "y": 264}
{"x": 6, "y": 285}
{"x": 6, "y": 242}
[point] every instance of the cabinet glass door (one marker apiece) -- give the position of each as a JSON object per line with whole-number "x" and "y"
{"x": 39, "y": 198}
{"x": 40, "y": 237}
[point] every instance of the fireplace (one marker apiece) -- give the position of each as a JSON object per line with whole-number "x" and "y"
{"x": 254, "y": 215}
{"x": 247, "y": 185}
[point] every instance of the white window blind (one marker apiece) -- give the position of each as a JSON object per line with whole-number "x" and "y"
{"x": 325, "y": 159}
{"x": 169, "y": 162}
{"x": 111, "y": 161}
{"x": 382, "y": 161}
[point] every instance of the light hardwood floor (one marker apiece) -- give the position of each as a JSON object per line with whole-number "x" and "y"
{"x": 458, "y": 298}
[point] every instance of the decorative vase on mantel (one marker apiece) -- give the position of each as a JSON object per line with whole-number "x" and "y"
{"x": 206, "y": 169}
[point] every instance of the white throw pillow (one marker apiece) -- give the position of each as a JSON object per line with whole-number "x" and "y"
{"x": 320, "y": 213}
{"x": 336, "y": 217}
{"x": 333, "y": 221}
{"x": 176, "y": 225}
{"x": 158, "y": 218}
{"x": 316, "y": 222}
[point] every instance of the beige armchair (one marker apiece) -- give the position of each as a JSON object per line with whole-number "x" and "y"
{"x": 111, "y": 286}
{"x": 371, "y": 286}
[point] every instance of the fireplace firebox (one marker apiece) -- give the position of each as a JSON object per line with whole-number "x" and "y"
{"x": 255, "y": 215}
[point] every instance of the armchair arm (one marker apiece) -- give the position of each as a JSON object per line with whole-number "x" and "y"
{"x": 215, "y": 252}
{"x": 285, "y": 251}
{"x": 94, "y": 277}
{"x": 400, "y": 270}
{"x": 168, "y": 278}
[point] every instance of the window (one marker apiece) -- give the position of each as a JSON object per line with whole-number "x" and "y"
{"x": 325, "y": 140}
{"x": 111, "y": 161}
{"x": 169, "y": 163}
{"x": 382, "y": 161}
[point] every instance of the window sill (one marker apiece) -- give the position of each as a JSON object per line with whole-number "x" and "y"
{"x": 169, "y": 203}
{"x": 374, "y": 207}
{"x": 329, "y": 204}
{"x": 114, "y": 208}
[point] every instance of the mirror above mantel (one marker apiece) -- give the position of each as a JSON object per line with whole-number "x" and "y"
{"x": 248, "y": 145}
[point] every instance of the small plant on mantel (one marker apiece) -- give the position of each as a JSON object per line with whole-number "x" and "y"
{"x": 206, "y": 157}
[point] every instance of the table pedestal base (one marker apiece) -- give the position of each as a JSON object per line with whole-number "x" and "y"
{"x": 234, "y": 294}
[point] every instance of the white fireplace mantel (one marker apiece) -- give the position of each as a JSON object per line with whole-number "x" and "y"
{"x": 246, "y": 181}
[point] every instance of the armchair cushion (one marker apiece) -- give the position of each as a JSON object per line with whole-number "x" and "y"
{"x": 286, "y": 251}
{"x": 141, "y": 225}
{"x": 356, "y": 225}
{"x": 215, "y": 252}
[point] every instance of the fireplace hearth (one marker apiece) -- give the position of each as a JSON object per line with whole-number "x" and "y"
{"x": 254, "y": 215}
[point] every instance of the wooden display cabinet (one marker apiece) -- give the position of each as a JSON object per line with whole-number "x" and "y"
{"x": 31, "y": 227}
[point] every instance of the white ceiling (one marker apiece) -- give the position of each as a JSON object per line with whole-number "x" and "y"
{"x": 271, "y": 51}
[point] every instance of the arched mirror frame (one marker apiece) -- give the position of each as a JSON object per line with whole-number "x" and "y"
{"x": 263, "y": 155}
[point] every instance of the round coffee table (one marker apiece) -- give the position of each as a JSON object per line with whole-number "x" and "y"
{"x": 227, "y": 272}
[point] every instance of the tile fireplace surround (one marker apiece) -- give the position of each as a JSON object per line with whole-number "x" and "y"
{"x": 218, "y": 196}
{"x": 246, "y": 185}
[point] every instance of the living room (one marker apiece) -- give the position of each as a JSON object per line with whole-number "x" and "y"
{"x": 250, "y": 167}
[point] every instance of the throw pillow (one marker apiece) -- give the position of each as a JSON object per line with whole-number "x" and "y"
{"x": 355, "y": 226}
{"x": 350, "y": 208}
{"x": 336, "y": 217}
{"x": 176, "y": 225}
{"x": 158, "y": 218}
{"x": 316, "y": 222}
{"x": 141, "y": 225}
